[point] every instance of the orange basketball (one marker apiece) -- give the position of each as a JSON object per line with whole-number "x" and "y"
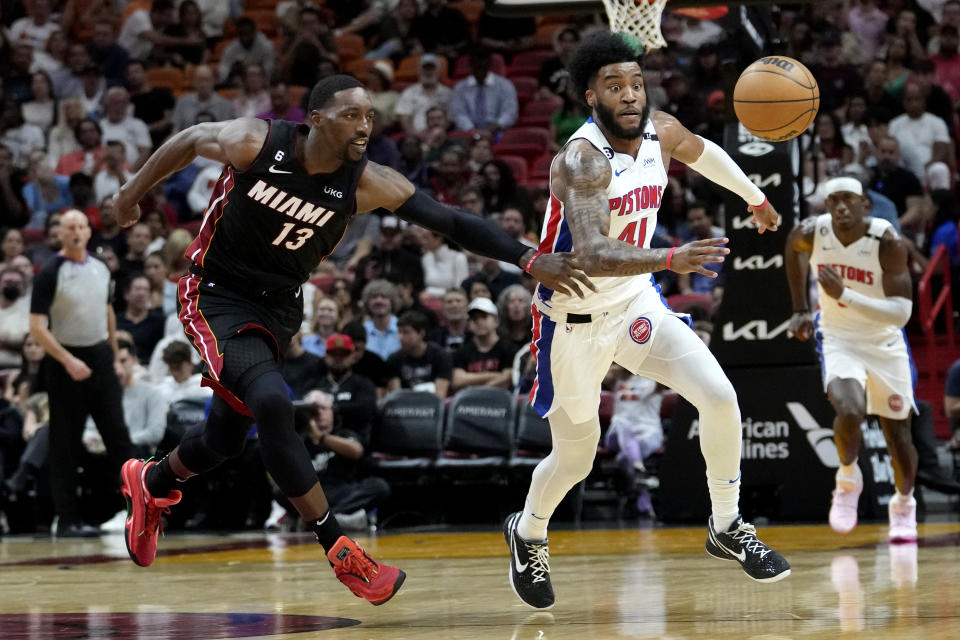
{"x": 776, "y": 98}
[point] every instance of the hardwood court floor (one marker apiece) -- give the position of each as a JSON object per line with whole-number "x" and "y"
{"x": 610, "y": 584}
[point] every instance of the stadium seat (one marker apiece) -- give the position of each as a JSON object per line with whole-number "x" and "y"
{"x": 409, "y": 69}
{"x": 219, "y": 48}
{"x": 540, "y": 168}
{"x": 528, "y": 142}
{"x": 471, "y": 9}
{"x": 479, "y": 430}
{"x": 229, "y": 92}
{"x": 526, "y": 87}
{"x": 407, "y": 433}
{"x": 350, "y": 46}
{"x": 361, "y": 65}
{"x": 543, "y": 39}
{"x": 605, "y": 410}
{"x": 538, "y": 113}
{"x": 533, "y": 440}
{"x": 685, "y": 303}
{"x": 528, "y": 63}
{"x": 166, "y": 78}
{"x": 517, "y": 164}
{"x": 467, "y": 135}
{"x": 192, "y": 227}
{"x": 32, "y": 236}
{"x": 462, "y": 68}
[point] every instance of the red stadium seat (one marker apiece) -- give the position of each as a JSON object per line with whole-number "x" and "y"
{"x": 540, "y": 168}
{"x": 517, "y": 165}
{"x": 350, "y": 46}
{"x": 528, "y": 63}
{"x": 193, "y": 226}
{"x": 462, "y": 68}
{"x": 467, "y": 135}
{"x": 529, "y": 142}
{"x": 526, "y": 87}
{"x": 684, "y": 303}
{"x": 166, "y": 78}
{"x": 409, "y": 69}
{"x": 538, "y": 113}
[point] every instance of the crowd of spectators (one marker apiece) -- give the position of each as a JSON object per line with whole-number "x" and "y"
{"x": 470, "y": 107}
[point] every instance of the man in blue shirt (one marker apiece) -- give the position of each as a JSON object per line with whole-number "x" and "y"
{"x": 379, "y": 300}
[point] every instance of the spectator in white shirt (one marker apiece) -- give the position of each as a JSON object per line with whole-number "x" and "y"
{"x": 254, "y": 98}
{"x": 418, "y": 98}
{"x": 443, "y": 267}
{"x": 143, "y": 29}
{"x": 251, "y": 46}
{"x": 114, "y": 173}
{"x": 19, "y": 137}
{"x": 199, "y": 195}
{"x": 53, "y": 55}
{"x": 37, "y": 27}
{"x": 42, "y": 110}
{"x": 118, "y": 124}
{"x": 181, "y": 382}
{"x": 924, "y": 140}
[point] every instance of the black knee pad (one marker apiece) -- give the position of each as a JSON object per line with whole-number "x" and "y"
{"x": 245, "y": 358}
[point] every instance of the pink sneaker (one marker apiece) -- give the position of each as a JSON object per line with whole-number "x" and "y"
{"x": 846, "y": 495}
{"x": 903, "y": 520}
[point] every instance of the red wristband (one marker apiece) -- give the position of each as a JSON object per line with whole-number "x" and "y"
{"x": 761, "y": 205}
{"x": 670, "y": 255}
{"x": 535, "y": 255}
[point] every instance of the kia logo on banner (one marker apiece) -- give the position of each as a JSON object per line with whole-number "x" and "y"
{"x": 750, "y": 323}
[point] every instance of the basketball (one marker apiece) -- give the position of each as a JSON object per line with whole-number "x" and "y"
{"x": 776, "y": 98}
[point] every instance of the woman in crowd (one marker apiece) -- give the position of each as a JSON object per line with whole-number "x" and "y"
{"x": 189, "y": 26}
{"x": 163, "y": 292}
{"x": 54, "y": 54}
{"x": 11, "y": 246}
{"x": 347, "y": 309}
{"x": 42, "y": 110}
{"x": 831, "y": 145}
{"x": 898, "y": 66}
{"x": 516, "y": 319}
{"x": 500, "y": 189}
{"x": 325, "y": 324}
{"x": 159, "y": 229}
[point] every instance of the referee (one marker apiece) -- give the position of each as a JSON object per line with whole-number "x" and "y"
{"x": 71, "y": 318}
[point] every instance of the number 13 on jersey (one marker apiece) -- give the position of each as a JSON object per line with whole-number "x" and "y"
{"x": 303, "y": 234}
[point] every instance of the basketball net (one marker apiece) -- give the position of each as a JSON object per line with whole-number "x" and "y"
{"x": 638, "y": 18}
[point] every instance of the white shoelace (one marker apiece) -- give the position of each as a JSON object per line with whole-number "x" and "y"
{"x": 538, "y": 555}
{"x": 746, "y": 535}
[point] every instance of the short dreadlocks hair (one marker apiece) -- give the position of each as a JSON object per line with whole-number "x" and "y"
{"x": 324, "y": 90}
{"x": 596, "y": 51}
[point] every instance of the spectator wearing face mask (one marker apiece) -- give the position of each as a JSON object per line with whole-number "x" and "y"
{"x": 14, "y": 316}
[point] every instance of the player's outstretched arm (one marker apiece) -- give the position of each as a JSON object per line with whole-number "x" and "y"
{"x": 896, "y": 308}
{"x": 383, "y": 187}
{"x": 580, "y": 176}
{"x": 797, "y": 265}
{"x": 709, "y": 160}
{"x": 234, "y": 142}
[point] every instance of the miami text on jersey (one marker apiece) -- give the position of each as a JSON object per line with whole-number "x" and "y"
{"x": 291, "y": 205}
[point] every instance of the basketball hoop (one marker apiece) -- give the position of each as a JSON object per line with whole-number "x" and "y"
{"x": 638, "y": 18}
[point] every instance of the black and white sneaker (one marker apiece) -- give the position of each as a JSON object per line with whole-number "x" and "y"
{"x": 740, "y": 543}
{"x": 529, "y": 566}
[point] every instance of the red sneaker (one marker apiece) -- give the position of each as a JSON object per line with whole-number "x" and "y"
{"x": 363, "y": 575}
{"x": 143, "y": 511}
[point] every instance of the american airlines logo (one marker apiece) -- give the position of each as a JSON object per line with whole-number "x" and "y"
{"x": 753, "y": 330}
{"x": 292, "y": 206}
{"x": 757, "y": 263}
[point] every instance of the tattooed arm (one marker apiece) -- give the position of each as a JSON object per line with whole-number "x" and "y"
{"x": 580, "y": 178}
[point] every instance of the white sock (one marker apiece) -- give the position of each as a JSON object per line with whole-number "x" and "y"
{"x": 848, "y": 470}
{"x": 531, "y": 526}
{"x": 725, "y": 500}
{"x": 904, "y": 498}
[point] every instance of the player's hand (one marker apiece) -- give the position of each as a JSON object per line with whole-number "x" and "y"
{"x": 128, "y": 213}
{"x": 765, "y": 216}
{"x": 561, "y": 272}
{"x": 77, "y": 369}
{"x": 801, "y": 326}
{"x": 831, "y": 282}
{"x": 691, "y": 257}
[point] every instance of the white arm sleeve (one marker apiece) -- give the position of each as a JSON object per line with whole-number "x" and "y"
{"x": 715, "y": 165}
{"x": 895, "y": 310}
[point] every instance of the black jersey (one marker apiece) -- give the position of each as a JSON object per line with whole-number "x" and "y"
{"x": 267, "y": 227}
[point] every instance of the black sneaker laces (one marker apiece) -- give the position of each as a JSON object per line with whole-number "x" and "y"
{"x": 746, "y": 534}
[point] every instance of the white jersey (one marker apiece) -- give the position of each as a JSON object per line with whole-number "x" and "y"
{"x": 858, "y": 264}
{"x": 634, "y": 193}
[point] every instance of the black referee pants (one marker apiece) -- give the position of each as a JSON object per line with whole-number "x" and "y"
{"x": 71, "y": 402}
